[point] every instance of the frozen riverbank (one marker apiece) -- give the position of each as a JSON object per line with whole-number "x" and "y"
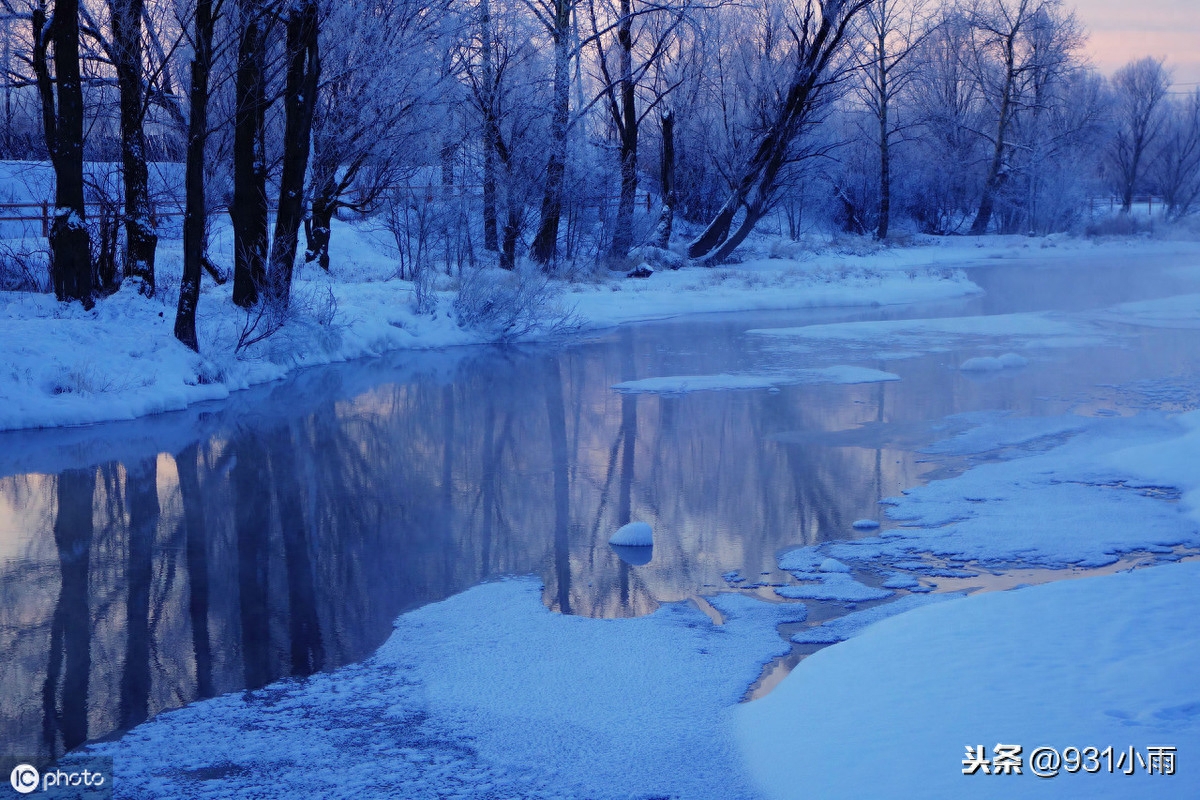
{"x": 62, "y": 365}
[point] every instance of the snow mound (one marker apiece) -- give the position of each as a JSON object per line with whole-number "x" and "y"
{"x": 635, "y": 534}
{"x": 832, "y": 565}
{"x": 1011, "y": 667}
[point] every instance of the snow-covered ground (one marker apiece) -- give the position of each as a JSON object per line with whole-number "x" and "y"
{"x": 1094, "y": 663}
{"x": 62, "y": 365}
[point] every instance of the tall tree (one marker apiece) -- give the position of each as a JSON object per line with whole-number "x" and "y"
{"x": 248, "y": 211}
{"x": 555, "y": 17}
{"x": 1140, "y": 88}
{"x": 62, "y": 123}
{"x": 1015, "y": 43}
{"x": 893, "y": 32}
{"x": 820, "y": 35}
{"x": 195, "y": 216}
{"x": 141, "y": 240}
{"x": 1177, "y": 169}
{"x": 300, "y": 98}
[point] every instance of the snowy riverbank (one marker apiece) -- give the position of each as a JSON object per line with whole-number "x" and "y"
{"x": 62, "y": 365}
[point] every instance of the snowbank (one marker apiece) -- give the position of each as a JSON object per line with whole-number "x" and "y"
{"x": 486, "y": 694}
{"x": 1086, "y": 663}
{"x": 65, "y": 366}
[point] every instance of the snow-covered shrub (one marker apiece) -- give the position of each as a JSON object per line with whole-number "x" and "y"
{"x": 507, "y": 305}
{"x": 657, "y": 257}
{"x": 24, "y": 268}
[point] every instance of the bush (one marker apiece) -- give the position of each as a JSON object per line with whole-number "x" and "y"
{"x": 24, "y": 268}
{"x": 506, "y": 305}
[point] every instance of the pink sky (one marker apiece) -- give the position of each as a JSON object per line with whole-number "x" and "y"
{"x": 1121, "y": 30}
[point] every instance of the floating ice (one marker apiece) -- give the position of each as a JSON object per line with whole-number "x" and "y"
{"x": 865, "y": 525}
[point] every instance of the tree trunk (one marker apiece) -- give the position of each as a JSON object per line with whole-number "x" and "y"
{"x": 317, "y": 228}
{"x": 70, "y": 245}
{"x": 195, "y": 216}
{"x": 885, "y": 155}
{"x": 628, "y": 130}
{"x": 755, "y": 187}
{"x": 545, "y": 243}
{"x": 666, "y": 219}
{"x": 140, "y": 237}
{"x": 248, "y": 211}
{"x": 488, "y": 100}
{"x": 300, "y": 98}
{"x": 996, "y": 175}
{"x": 512, "y": 233}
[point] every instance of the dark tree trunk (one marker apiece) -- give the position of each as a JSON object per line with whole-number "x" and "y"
{"x": 141, "y": 240}
{"x": 488, "y": 101}
{"x": 490, "y": 238}
{"x": 666, "y": 219}
{"x": 512, "y": 234}
{"x": 885, "y": 155}
{"x": 627, "y": 128}
{"x": 755, "y": 187}
{"x": 545, "y": 244}
{"x": 70, "y": 245}
{"x": 317, "y": 227}
{"x": 996, "y": 174}
{"x": 300, "y": 98}
{"x": 195, "y": 217}
{"x": 248, "y": 211}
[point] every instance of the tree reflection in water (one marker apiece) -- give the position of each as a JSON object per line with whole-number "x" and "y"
{"x": 280, "y": 537}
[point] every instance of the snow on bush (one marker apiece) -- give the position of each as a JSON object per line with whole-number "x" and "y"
{"x": 505, "y": 306}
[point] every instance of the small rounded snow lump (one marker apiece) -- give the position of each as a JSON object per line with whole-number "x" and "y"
{"x": 1013, "y": 360}
{"x": 635, "y": 534}
{"x": 832, "y": 565}
{"x": 866, "y": 524}
{"x": 981, "y": 364}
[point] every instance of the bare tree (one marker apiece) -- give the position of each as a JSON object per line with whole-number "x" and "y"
{"x": 62, "y": 123}
{"x": 374, "y": 82}
{"x": 248, "y": 211}
{"x": 303, "y": 69}
{"x": 819, "y": 32}
{"x": 141, "y": 240}
{"x": 613, "y": 29}
{"x": 1140, "y": 88}
{"x": 196, "y": 210}
{"x": 555, "y": 18}
{"x": 1177, "y": 168}
{"x": 1015, "y": 41}
{"x": 893, "y": 31}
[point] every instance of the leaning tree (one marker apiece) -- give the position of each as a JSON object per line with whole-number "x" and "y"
{"x": 820, "y": 32}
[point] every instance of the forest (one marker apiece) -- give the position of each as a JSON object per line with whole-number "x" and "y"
{"x": 560, "y": 137}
